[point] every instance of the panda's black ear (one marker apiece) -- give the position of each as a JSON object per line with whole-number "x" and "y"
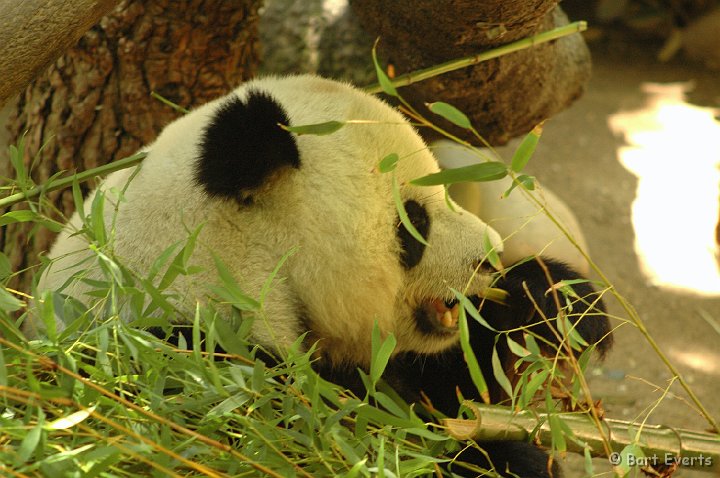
{"x": 243, "y": 144}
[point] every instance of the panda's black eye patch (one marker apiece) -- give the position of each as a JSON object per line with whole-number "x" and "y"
{"x": 412, "y": 250}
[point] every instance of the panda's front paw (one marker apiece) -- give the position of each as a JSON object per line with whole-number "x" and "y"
{"x": 536, "y": 288}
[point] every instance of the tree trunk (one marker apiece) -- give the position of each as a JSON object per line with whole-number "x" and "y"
{"x": 36, "y": 32}
{"x": 94, "y": 105}
{"x": 504, "y": 97}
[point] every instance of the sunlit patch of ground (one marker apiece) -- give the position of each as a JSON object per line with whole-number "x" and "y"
{"x": 699, "y": 360}
{"x": 674, "y": 150}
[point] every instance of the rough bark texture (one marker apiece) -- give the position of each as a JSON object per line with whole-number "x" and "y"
{"x": 504, "y": 97}
{"x": 36, "y": 32}
{"x": 94, "y": 105}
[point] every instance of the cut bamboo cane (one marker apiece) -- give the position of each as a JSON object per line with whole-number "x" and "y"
{"x": 661, "y": 445}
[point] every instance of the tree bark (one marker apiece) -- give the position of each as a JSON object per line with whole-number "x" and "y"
{"x": 504, "y": 97}
{"x": 36, "y": 32}
{"x": 94, "y": 105}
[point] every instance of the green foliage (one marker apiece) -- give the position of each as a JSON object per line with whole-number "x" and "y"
{"x": 489, "y": 171}
{"x": 388, "y": 163}
{"x": 450, "y": 113}
{"x": 112, "y": 400}
{"x": 387, "y": 86}
{"x": 319, "y": 129}
{"x": 526, "y": 149}
{"x": 470, "y": 358}
{"x": 402, "y": 213}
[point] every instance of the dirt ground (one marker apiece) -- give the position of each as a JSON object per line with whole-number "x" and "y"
{"x": 578, "y": 159}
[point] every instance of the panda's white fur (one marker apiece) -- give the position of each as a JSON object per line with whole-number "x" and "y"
{"x": 335, "y": 207}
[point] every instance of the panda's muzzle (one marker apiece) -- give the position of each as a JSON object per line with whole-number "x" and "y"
{"x": 438, "y": 316}
{"x": 447, "y": 312}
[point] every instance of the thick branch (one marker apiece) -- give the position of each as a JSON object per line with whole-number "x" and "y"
{"x": 504, "y": 97}
{"x": 36, "y": 32}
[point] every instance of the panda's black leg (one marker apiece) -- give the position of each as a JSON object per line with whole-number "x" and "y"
{"x": 509, "y": 459}
{"x": 534, "y": 298}
{"x": 437, "y": 377}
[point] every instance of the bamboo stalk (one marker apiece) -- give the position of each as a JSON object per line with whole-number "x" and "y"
{"x": 452, "y": 65}
{"x": 661, "y": 444}
{"x": 69, "y": 180}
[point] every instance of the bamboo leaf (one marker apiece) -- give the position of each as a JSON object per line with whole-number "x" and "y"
{"x": 450, "y": 113}
{"x": 389, "y": 404}
{"x": 526, "y": 149}
{"x": 97, "y": 218}
{"x": 470, "y": 358}
{"x": 404, "y": 219}
{"x": 78, "y": 198}
{"x": 532, "y": 344}
{"x": 3, "y": 370}
{"x": 524, "y": 181}
{"x": 388, "y": 163}
{"x": 5, "y": 267}
{"x": 31, "y": 440}
{"x": 267, "y": 285}
{"x": 488, "y": 171}
{"x": 319, "y": 129}
{"x": 558, "y": 436}
{"x": 533, "y": 385}
{"x": 385, "y": 83}
{"x": 499, "y": 373}
{"x": 491, "y": 253}
{"x": 18, "y": 163}
{"x": 381, "y": 459}
{"x": 357, "y": 468}
{"x": 8, "y": 302}
{"x": 23, "y": 215}
{"x": 381, "y": 352}
{"x": 71, "y": 420}
{"x": 230, "y": 290}
{"x": 179, "y": 263}
{"x": 632, "y": 453}
{"x": 516, "y": 348}
{"x": 47, "y": 315}
{"x": 448, "y": 201}
{"x": 471, "y": 309}
{"x": 589, "y": 469}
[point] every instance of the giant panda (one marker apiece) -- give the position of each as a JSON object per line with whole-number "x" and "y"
{"x": 253, "y": 191}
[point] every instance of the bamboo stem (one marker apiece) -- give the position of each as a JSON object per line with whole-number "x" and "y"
{"x": 69, "y": 180}
{"x": 661, "y": 444}
{"x": 452, "y": 65}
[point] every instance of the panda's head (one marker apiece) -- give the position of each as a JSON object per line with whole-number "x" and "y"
{"x": 256, "y": 191}
{"x": 356, "y": 263}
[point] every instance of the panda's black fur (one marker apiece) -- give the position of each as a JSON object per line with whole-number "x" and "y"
{"x": 243, "y": 145}
{"x": 242, "y": 150}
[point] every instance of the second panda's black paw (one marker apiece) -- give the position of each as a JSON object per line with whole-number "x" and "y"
{"x": 509, "y": 459}
{"x": 534, "y": 293}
